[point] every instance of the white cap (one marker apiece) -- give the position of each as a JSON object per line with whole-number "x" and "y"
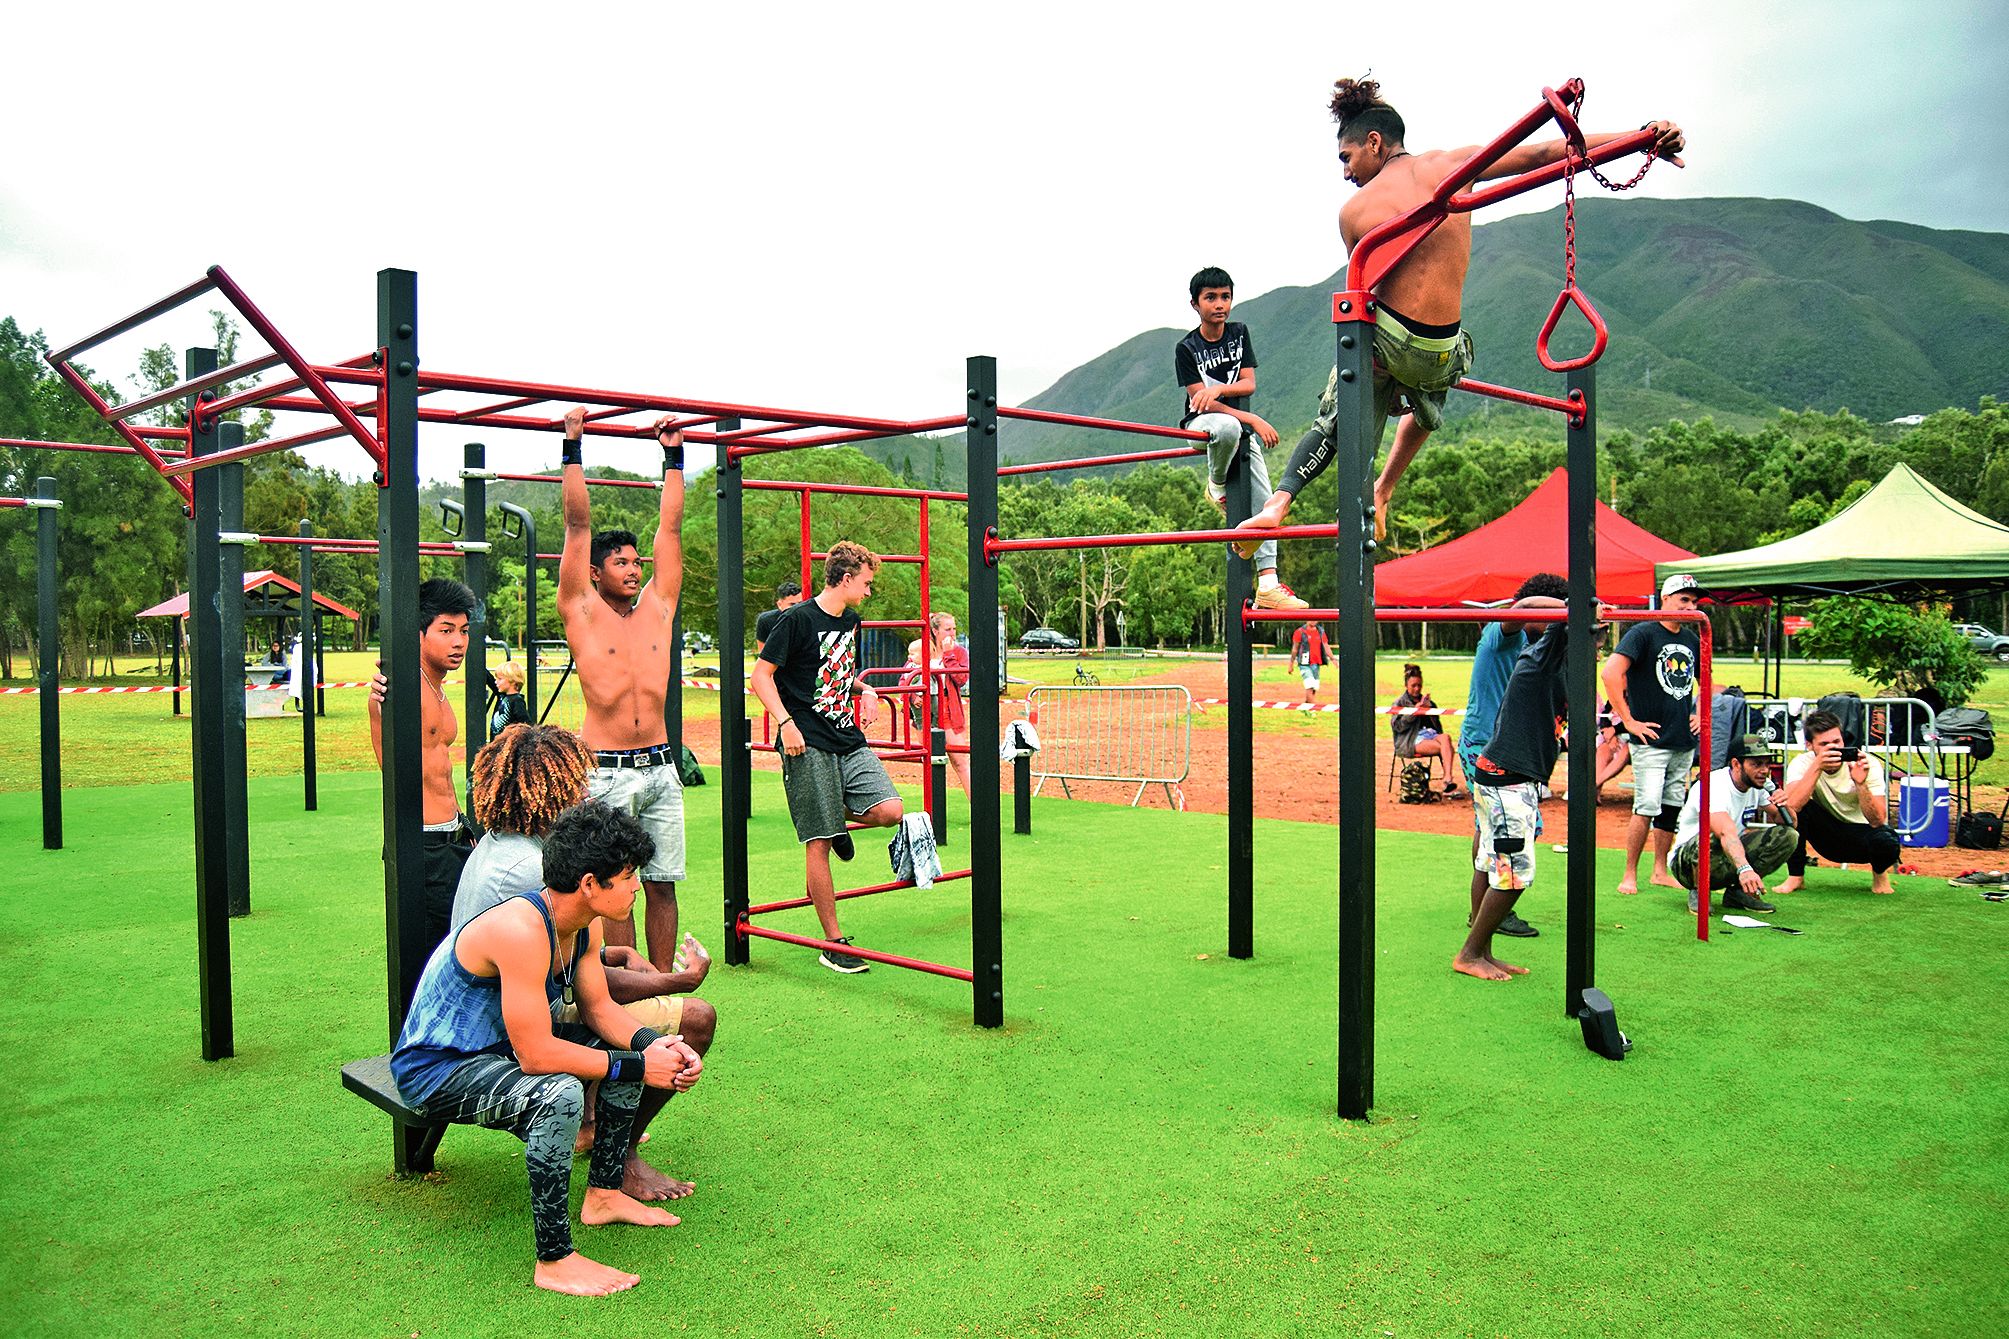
{"x": 1678, "y": 582}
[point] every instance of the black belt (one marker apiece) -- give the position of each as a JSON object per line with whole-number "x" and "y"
{"x": 656, "y": 755}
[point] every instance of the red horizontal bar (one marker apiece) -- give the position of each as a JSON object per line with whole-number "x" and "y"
{"x": 1572, "y": 409}
{"x": 138, "y": 318}
{"x": 94, "y": 448}
{"x": 665, "y": 403}
{"x": 867, "y": 891}
{"x": 258, "y": 395}
{"x": 250, "y": 367}
{"x": 870, "y": 955}
{"x": 190, "y": 464}
{"x": 555, "y": 557}
{"x": 13, "y": 502}
{"x": 882, "y": 557}
{"x": 1112, "y": 424}
{"x": 591, "y": 482}
{"x": 89, "y": 394}
{"x": 1626, "y": 144}
{"x": 890, "y": 623}
{"x": 848, "y": 490}
{"x": 1464, "y": 615}
{"x": 1090, "y": 462}
{"x": 995, "y": 546}
{"x": 334, "y": 544}
{"x": 838, "y": 439}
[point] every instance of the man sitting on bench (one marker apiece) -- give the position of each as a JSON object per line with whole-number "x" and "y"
{"x": 480, "y": 1046}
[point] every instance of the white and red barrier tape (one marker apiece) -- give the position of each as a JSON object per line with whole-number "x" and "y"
{"x": 1333, "y": 707}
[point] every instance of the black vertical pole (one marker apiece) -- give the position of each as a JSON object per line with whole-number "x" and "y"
{"x": 174, "y": 644}
{"x": 474, "y": 539}
{"x": 309, "y": 630}
{"x": 735, "y": 762}
{"x": 207, "y": 652}
{"x": 526, "y": 525}
{"x": 986, "y": 874}
{"x": 398, "y": 630}
{"x": 1021, "y": 786}
{"x": 320, "y": 666}
{"x": 1358, "y": 430}
{"x": 230, "y": 603}
{"x": 1579, "y": 969}
{"x": 1241, "y": 728}
{"x": 938, "y": 757}
{"x": 47, "y": 653}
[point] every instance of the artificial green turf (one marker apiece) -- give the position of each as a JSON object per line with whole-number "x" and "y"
{"x": 1807, "y": 1140}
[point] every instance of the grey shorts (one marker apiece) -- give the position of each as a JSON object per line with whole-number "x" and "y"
{"x": 825, "y": 789}
{"x": 1659, "y": 778}
{"x": 656, "y": 799}
{"x": 1308, "y": 675}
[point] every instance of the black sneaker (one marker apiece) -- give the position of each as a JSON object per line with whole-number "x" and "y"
{"x": 845, "y": 849}
{"x": 1514, "y": 926}
{"x": 847, "y": 963}
{"x": 1736, "y": 899}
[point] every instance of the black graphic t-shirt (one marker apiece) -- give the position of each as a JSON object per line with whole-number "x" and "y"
{"x": 763, "y": 626}
{"x": 1660, "y": 685}
{"x": 1218, "y": 363}
{"x": 815, "y": 659}
{"x": 1527, "y": 733}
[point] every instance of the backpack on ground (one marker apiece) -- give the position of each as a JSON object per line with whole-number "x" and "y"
{"x": 1415, "y": 784}
{"x": 1971, "y": 727}
{"x": 1729, "y": 718}
{"x": 1848, "y": 709}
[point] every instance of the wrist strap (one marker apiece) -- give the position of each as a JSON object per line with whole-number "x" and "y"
{"x": 644, "y": 1038}
{"x": 673, "y": 456}
{"x": 624, "y": 1067}
{"x": 569, "y": 453}
{"x": 786, "y": 720}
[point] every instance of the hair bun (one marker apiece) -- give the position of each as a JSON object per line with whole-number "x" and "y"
{"x": 1351, "y": 97}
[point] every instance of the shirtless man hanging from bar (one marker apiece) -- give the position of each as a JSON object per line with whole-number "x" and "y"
{"x": 618, "y": 628}
{"x": 1420, "y": 349}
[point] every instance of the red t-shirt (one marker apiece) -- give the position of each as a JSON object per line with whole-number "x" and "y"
{"x": 1308, "y": 645}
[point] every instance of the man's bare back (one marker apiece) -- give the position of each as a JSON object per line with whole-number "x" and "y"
{"x": 1429, "y": 284}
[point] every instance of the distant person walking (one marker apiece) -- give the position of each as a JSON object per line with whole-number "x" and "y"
{"x": 1309, "y": 653}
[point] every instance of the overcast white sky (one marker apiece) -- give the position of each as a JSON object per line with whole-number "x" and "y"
{"x": 830, "y": 206}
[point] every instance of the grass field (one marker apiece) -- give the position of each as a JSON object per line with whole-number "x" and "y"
{"x": 1807, "y": 1140}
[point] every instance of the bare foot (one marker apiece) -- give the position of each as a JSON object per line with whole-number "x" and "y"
{"x": 641, "y": 1181}
{"x": 1628, "y": 886}
{"x": 1269, "y": 518}
{"x": 1483, "y": 968}
{"x": 1880, "y": 885}
{"x": 1662, "y": 879}
{"x": 584, "y": 1142}
{"x": 602, "y": 1207}
{"x": 1793, "y": 884}
{"x": 1507, "y": 967}
{"x": 577, "y": 1275}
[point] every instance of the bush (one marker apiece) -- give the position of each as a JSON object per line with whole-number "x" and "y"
{"x": 1901, "y": 648}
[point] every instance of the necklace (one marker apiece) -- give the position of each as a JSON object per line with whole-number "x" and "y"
{"x": 435, "y": 687}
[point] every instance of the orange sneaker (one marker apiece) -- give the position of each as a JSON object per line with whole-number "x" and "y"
{"x": 1280, "y": 596}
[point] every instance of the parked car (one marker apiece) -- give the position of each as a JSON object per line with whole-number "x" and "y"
{"x": 1046, "y": 639}
{"x": 696, "y": 642}
{"x": 1984, "y": 641}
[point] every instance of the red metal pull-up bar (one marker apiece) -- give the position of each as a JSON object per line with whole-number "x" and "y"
{"x": 993, "y": 546}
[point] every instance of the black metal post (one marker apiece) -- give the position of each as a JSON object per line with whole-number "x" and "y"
{"x": 320, "y": 666}
{"x": 734, "y": 729}
{"x": 526, "y": 526}
{"x": 474, "y": 539}
{"x": 1241, "y": 728}
{"x": 1021, "y": 788}
{"x": 986, "y": 853}
{"x": 174, "y": 645}
{"x": 309, "y": 767}
{"x": 398, "y": 633}
{"x": 938, "y": 780}
{"x": 1579, "y": 965}
{"x": 48, "y": 652}
{"x": 1358, "y": 430}
{"x": 207, "y": 653}
{"x": 230, "y": 597}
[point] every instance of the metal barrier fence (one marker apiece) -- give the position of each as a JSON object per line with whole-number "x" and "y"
{"x": 1142, "y": 734}
{"x": 1903, "y": 733}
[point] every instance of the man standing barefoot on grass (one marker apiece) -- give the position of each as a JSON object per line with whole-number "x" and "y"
{"x": 444, "y": 609}
{"x": 618, "y": 629}
{"x": 1506, "y": 793}
{"x": 480, "y": 1047}
{"x": 1420, "y": 348}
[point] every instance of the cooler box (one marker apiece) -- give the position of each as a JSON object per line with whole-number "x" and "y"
{"x": 1924, "y": 810}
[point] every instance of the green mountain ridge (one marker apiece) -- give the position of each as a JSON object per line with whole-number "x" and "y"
{"x": 1724, "y": 308}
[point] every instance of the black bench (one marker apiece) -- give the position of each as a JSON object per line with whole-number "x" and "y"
{"x": 415, "y": 1138}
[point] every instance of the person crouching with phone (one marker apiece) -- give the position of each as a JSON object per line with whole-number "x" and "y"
{"x": 1839, "y": 796}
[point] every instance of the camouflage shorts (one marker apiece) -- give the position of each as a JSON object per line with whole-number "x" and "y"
{"x": 1412, "y": 369}
{"x": 1509, "y": 821}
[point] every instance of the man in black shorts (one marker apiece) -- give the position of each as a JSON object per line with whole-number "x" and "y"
{"x": 807, "y": 678}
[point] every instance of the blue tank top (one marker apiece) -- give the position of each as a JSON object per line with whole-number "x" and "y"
{"x": 456, "y": 1015}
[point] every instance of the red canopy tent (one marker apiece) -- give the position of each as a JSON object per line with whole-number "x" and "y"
{"x": 1491, "y": 563}
{"x": 253, "y": 581}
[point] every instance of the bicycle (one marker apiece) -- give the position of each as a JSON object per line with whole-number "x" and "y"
{"x": 1085, "y": 677}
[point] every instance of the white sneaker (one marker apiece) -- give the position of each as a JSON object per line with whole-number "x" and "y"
{"x": 1280, "y": 596}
